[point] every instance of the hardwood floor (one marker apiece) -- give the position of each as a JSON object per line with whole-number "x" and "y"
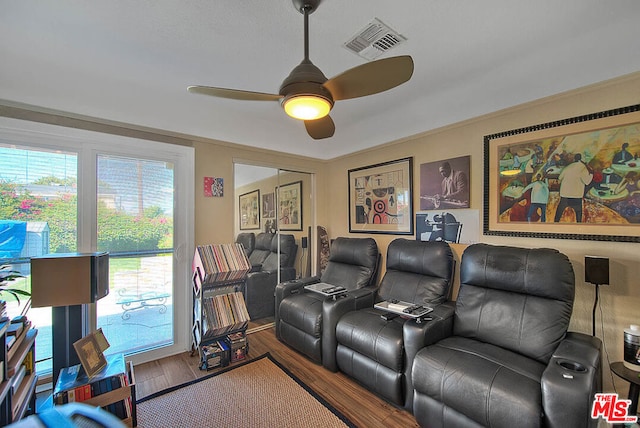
{"x": 362, "y": 407}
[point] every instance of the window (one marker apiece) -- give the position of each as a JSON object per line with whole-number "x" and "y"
{"x": 135, "y": 225}
{"x": 66, "y": 190}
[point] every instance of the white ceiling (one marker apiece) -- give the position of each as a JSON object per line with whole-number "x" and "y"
{"x": 132, "y": 60}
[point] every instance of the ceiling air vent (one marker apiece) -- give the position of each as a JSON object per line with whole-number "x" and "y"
{"x": 373, "y": 40}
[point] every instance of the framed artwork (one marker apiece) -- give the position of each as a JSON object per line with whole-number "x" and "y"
{"x": 445, "y": 184}
{"x": 269, "y": 205}
{"x": 250, "y": 210}
{"x": 576, "y": 178}
{"x": 453, "y": 226}
{"x": 290, "y": 206}
{"x": 213, "y": 187}
{"x": 103, "y": 343}
{"x": 90, "y": 354}
{"x": 381, "y": 198}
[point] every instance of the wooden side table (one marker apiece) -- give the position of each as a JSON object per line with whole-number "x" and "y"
{"x": 633, "y": 378}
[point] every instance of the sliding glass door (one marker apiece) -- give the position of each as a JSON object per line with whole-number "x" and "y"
{"x": 135, "y": 225}
{"x": 64, "y": 190}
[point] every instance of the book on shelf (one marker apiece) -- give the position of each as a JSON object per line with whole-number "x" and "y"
{"x": 15, "y": 329}
{"x": 3, "y": 311}
{"x": 74, "y": 385}
{"x": 28, "y": 362}
{"x": 13, "y": 342}
{"x": 17, "y": 379}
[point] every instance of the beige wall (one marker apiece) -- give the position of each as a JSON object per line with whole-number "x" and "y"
{"x": 214, "y": 217}
{"x": 620, "y": 301}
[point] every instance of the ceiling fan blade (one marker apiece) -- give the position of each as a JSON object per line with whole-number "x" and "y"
{"x": 320, "y": 128}
{"x": 234, "y": 94}
{"x": 371, "y": 78}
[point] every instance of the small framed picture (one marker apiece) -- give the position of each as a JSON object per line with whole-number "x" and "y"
{"x": 213, "y": 187}
{"x": 90, "y": 354}
{"x": 103, "y": 343}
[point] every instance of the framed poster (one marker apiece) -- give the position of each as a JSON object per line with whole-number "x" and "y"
{"x": 575, "y": 178}
{"x": 381, "y": 198}
{"x": 453, "y": 226}
{"x": 250, "y": 210}
{"x": 269, "y": 205}
{"x": 445, "y": 184}
{"x": 290, "y": 206}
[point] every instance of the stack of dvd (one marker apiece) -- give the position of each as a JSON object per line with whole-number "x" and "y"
{"x": 215, "y": 354}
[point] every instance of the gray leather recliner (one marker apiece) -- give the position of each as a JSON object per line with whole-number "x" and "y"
{"x": 306, "y": 321}
{"x": 261, "y": 250}
{"x": 248, "y": 241}
{"x": 260, "y": 285}
{"x": 506, "y": 358}
{"x": 373, "y": 349}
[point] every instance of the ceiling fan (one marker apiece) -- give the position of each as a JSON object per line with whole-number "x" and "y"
{"x": 306, "y": 94}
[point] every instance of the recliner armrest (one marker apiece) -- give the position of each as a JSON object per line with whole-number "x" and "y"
{"x": 332, "y": 311}
{"x": 287, "y": 274}
{"x": 294, "y": 286}
{"x": 418, "y": 335}
{"x": 363, "y": 297}
{"x": 288, "y": 288}
{"x": 571, "y": 380}
{"x": 258, "y": 274}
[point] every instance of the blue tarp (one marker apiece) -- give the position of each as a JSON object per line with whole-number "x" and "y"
{"x": 12, "y": 236}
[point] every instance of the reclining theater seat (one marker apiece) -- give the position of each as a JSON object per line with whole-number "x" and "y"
{"x": 261, "y": 250}
{"x": 248, "y": 242}
{"x": 260, "y": 286}
{"x": 306, "y": 320}
{"x": 372, "y": 349}
{"x": 508, "y": 360}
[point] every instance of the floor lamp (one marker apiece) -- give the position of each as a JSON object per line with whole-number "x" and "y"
{"x": 65, "y": 282}
{"x": 596, "y": 272}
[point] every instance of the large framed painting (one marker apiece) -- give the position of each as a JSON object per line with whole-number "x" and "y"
{"x": 576, "y": 178}
{"x": 250, "y": 210}
{"x": 290, "y": 206}
{"x": 381, "y": 198}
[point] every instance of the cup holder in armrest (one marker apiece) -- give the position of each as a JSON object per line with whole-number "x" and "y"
{"x": 572, "y": 366}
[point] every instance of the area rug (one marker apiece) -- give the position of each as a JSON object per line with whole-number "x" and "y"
{"x": 258, "y": 393}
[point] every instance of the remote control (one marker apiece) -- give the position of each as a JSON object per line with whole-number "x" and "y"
{"x": 388, "y": 316}
{"x": 414, "y": 310}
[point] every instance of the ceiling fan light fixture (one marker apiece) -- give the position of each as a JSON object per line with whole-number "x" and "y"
{"x": 307, "y": 107}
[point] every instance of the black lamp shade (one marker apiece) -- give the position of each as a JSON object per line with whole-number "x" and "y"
{"x": 596, "y": 270}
